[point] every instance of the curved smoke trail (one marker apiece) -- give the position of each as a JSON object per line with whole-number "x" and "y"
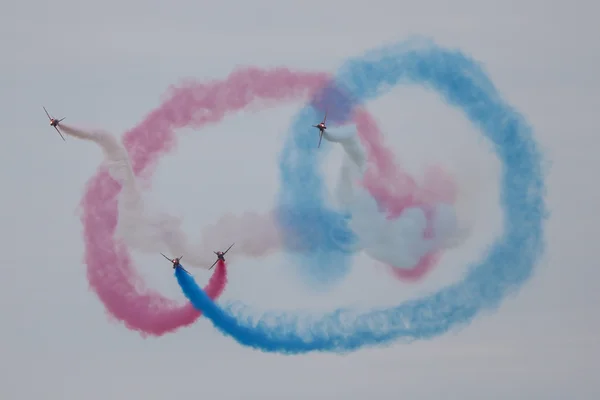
{"x": 109, "y": 271}
{"x": 418, "y": 224}
{"x": 507, "y": 264}
{"x": 417, "y": 220}
{"x": 196, "y": 105}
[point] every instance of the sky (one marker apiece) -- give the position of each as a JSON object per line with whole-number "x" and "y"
{"x": 107, "y": 64}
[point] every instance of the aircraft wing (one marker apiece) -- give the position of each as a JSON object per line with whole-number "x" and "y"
{"x": 63, "y": 138}
{"x": 320, "y": 138}
{"x": 49, "y": 117}
{"x": 228, "y": 248}
{"x": 215, "y": 263}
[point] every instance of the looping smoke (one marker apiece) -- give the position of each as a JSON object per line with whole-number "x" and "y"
{"x": 109, "y": 269}
{"x": 301, "y": 218}
{"x": 399, "y": 227}
{"x": 255, "y": 235}
{"x": 505, "y": 267}
{"x": 195, "y": 104}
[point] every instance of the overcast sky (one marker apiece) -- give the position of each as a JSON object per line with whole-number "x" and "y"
{"x": 106, "y": 64}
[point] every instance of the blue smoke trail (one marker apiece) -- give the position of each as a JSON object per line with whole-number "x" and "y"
{"x": 310, "y": 240}
{"x": 320, "y": 245}
{"x": 507, "y": 264}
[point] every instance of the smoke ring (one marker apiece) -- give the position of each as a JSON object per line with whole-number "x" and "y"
{"x": 110, "y": 272}
{"x": 505, "y": 267}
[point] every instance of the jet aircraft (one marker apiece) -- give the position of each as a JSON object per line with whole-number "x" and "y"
{"x": 54, "y": 123}
{"x": 175, "y": 262}
{"x": 220, "y": 256}
{"x": 321, "y": 128}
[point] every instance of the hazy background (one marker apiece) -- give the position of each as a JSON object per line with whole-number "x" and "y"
{"x": 106, "y": 64}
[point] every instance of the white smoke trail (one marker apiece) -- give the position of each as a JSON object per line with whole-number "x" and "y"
{"x": 153, "y": 232}
{"x": 398, "y": 242}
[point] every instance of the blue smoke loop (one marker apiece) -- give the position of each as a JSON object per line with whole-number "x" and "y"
{"x": 507, "y": 264}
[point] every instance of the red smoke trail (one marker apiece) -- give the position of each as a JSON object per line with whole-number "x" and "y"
{"x": 198, "y": 104}
{"x": 116, "y": 282}
{"x": 109, "y": 269}
{"x": 396, "y": 190}
{"x": 194, "y": 104}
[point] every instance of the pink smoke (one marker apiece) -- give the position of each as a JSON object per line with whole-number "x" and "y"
{"x": 198, "y": 104}
{"x": 395, "y": 190}
{"x": 112, "y": 277}
{"x": 109, "y": 271}
{"x": 194, "y": 104}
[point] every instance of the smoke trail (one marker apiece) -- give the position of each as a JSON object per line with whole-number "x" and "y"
{"x": 507, "y": 264}
{"x": 109, "y": 271}
{"x": 418, "y": 220}
{"x": 196, "y": 105}
{"x": 254, "y": 234}
{"x": 142, "y": 229}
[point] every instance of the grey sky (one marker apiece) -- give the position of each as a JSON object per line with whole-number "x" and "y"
{"x": 105, "y": 65}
